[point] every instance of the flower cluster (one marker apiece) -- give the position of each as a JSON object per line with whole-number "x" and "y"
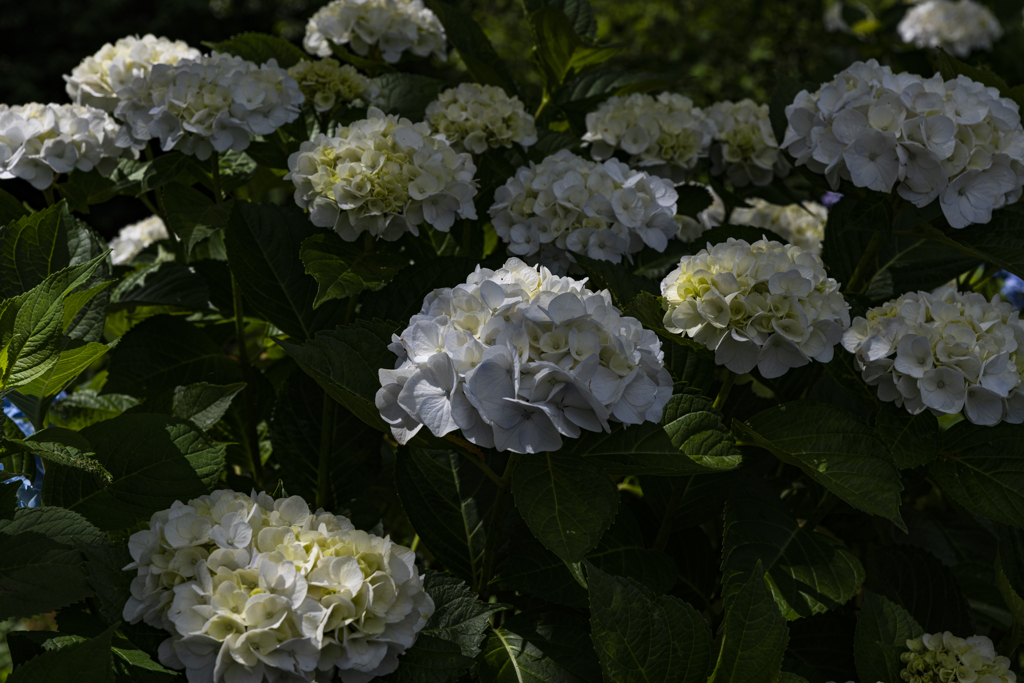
{"x": 475, "y": 117}
{"x": 567, "y": 204}
{"x": 392, "y": 26}
{"x": 958, "y": 26}
{"x": 132, "y": 239}
{"x": 210, "y": 103}
{"x": 518, "y": 358}
{"x": 762, "y": 304}
{"x": 326, "y": 82}
{"x": 745, "y": 147}
{"x": 38, "y": 141}
{"x": 254, "y": 589}
{"x": 799, "y": 224}
{"x": 99, "y": 78}
{"x": 956, "y": 140}
{"x": 663, "y": 130}
{"x": 946, "y": 351}
{"x": 30, "y": 491}
{"x": 944, "y": 657}
{"x": 691, "y": 228}
{"x": 384, "y": 175}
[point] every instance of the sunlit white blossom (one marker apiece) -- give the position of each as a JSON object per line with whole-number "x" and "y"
{"x": 959, "y": 26}
{"x": 389, "y": 26}
{"x": 944, "y": 657}
{"x": 132, "y": 239}
{"x": 475, "y": 117}
{"x": 799, "y": 224}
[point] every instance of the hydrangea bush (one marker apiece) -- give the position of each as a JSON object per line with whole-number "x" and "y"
{"x": 413, "y": 369}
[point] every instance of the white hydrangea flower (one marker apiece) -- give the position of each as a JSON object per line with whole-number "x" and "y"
{"x": 98, "y": 79}
{"x": 38, "y": 141}
{"x": 325, "y": 82}
{"x": 666, "y": 131}
{"x": 253, "y": 589}
{"x": 567, "y": 204}
{"x": 475, "y": 117}
{"x": 944, "y": 657}
{"x": 133, "y": 238}
{"x": 946, "y": 351}
{"x": 384, "y": 175}
{"x": 518, "y": 358}
{"x": 763, "y": 304}
{"x": 391, "y": 26}
{"x": 799, "y": 224}
{"x": 209, "y": 103}
{"x": 691, "y": 228}
{"x": 958, "y": 26}
{"x": 955, "y": 140}
{"x": 745, "y": 147}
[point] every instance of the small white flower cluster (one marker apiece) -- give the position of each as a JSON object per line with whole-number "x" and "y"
{"x": 567, "y": 204}
{"x": 392, "y": 26}
{"x": 384, "y": 175}
{"x": 946, "y": 351}
{"x": 326, "y": 82}
{"x": 691, "y": 228}
{"x": 663, "y": 130}
{"x": 38, "y": 141}
{"x": 99, "y": 78}
{"x": 763, "y": 304}
{"x": 944, "y": 657}
{"x": 253, "y": 589}
{"x": 745, "y": 147}
{"x": 799, "y": 224}
{"x": 132, "y": 239}
{"x": 518, "y": 358}
{"x": 474, "y": 117}
{"x": 956, "y": 140}
{"x": 209, "y": 103}
{"x": 958, "y": 26}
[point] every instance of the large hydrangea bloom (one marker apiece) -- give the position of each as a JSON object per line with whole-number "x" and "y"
{"x": 392, "y": 26}
{"x": 567, "y": 204}
{"x": 764, "y": 305}
{"x": 944, "y": 657}
{"x": 254, "y": 589}
{"x": 97, "y": 79}
{"x": 383, "y": 175}
{"x": 518, "y": 358}
{"x": 745, "y": 147}
{"x": 210, "y": 103}
{"x": 664, "y": 130}
{"x": 959, "y": 26}
{"x": 476, "y": 117}
{"x": 955, "y": 140}
{"x": 327, "y": 82}
{"x": 946, "y": 351}
{"x": 38, "y": 141}
{"x": 800, "y": 224}
{"x": 133, "y": 238}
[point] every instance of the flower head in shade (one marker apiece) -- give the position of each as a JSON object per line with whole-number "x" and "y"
{"x": 764, "y": 305}
{"x": 944, "y": 657}
{"x": 691, "y": 228}
{"x": 799, "y": 224}
{"x": 326, "y": 83}
{"x": 745, "y": 147}
{"x": 254, "y": 589}
{"x": 519, "y": 358}
{"x": 474, "y": 118}
{"x": 383, "y": 175}
{"x": 569, "y": 205}
{"x": 957, "y": 141}
{"x": 945, "y": 351}
{"x": 959, "y": 26}
{"x": 390, "y": 26}
{"x": 132, "y": 239}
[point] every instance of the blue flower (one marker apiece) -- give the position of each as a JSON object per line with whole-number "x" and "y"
{"x": 830, "y": 199}
{"x": 1013, "y": 289}
{"x": 30, "y": 493}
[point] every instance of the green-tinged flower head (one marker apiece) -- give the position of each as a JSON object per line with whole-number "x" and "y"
{"x": 326, "y": 82}
{"x": 944, "y": 658}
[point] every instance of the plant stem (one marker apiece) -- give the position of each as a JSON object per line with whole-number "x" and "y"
{"x": 250, "y": 397}
{"x": 323, "y": 475}
{"x": 498, "y": 513}
{"x": 218, "y": 195}
{"x": 48, "y": 195}
{"x": 679, "y": 488}
{"x": 859, "y": 280}
{"x": 723, "y": 392}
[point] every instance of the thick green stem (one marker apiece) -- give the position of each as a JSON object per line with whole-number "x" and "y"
{"x": 498, "y": 514}
{"x": 679, "y": 489}
{"x": 323, "y": 475}
{"x": 218, "y": 195}
{"x": 255, "y": 462}
{"x": 723, "y": 392}
{"x": 861, "y": 274}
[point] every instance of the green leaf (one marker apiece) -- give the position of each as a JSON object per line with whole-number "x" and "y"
{"x": 201, "y": 403}
{"x": 914, "y": 579}
{"x": 589, "y": 89}
{"x": 162, "y": 284}
{"x": 690, "y": 439}
{"x": 545, "y": 647}
{"x": 640, "y": 636}
{"x": 567, "y": 502}
{"x": 482, "y": 62}
{"x": 64, "y": 447}
{"x": 342, "y": 269}
{"x": 560, "y": 50}
{"x": 87, "y": 661}
{"x": 913, "y": 440}
{"x": 83, "y": 189}
{"x": 648, "y": 310}
{"x": 403, "y": 297}
{"x": 754, "y": 635}
{"x": 260, "y": 48}
{"x": 999, "y": 242}
{"x": 579, "y": 13}
{"x": 883, "y": 629}
{"x": 950, "y": 67}
{"x": 834, "y": 448}
{"x": 824, "y": 642}
{"x": 32, "y": 248}
{"x": 110, "y": 583}
{"x": 807, "y": 572}
{"x": 446, "y": 501}
{"x": 155, "y": 460}
{"x": 85, "y": 407}
{"x": 460, "y": 617}
{"x": 263, "y": 244}
{"x": 74, "y": 359}
{"x": 407, "y": 94}
{"x": 621, "y": 284}
{"x": 430, "y": 660}
{"x": 192, "y": 215}
{"x": 10, "y": 208}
